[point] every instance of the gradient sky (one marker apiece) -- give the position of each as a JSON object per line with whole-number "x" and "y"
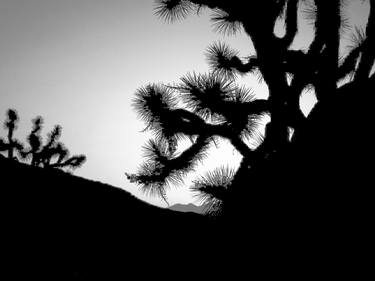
{"x": 78, "y": 63}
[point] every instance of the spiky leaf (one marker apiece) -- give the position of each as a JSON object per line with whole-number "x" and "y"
{"x": 223, "y": 60}
{"x": 225, "y": 23}
{"x": 171, "y": 10}
{"x": 205, "y": 93}
{"x": 154, "y": 104}
{"x": 212, "y": 188}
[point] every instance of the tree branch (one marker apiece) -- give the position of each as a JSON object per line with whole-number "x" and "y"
{"x": 291, "y": 23}
{"x": 349, "y": 64}
{"x": 368, "y": 54}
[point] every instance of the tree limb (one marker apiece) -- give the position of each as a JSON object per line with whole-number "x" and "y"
{"x": 368, "y": 54}
{"x": 291, "y": 23}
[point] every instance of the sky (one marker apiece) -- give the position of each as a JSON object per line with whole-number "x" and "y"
{"x": 78, "y": 63}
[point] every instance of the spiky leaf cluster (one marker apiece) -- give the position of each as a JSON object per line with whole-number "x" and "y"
{"x": 164, "y": 168}
{"x": 225, "y": 23}
{"x": 222, "y": 59}
{"x": 171, "y": 10}
{"x": 205, "y": 94}
{"x": 215, "y": 107}
{"x": 154, "y": 105}
{"x": 211, "y": 189}
{"x": 225, "y": 61}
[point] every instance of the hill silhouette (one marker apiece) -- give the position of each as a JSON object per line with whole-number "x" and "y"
{"x": 57, "y": 224}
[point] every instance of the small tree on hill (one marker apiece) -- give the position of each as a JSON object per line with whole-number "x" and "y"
{"x": 52, "y": 154}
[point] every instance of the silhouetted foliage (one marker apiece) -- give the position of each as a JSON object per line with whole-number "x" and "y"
{"x": 203, "y": 107}
{"x": 53, "y": 154}
{"x": 35, "y": 142}
{"x": 211, "y": 188}
{"x": 11, "y": 144}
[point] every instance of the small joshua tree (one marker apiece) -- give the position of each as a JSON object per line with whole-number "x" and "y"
{"x": 53, "y": 154}
{"x": 11, "y": 144}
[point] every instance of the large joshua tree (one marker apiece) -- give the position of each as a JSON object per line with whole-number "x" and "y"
{"x": 203, "y": 107}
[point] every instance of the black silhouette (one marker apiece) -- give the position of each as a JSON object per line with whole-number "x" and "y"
{"x": 51, "y": 155}
{"x": 299, "y": 203}
{"x": 35, "y": 141}
{"x": 11, "y": 145}
{"x": 57, "y": 225}
{"x": 306, "y": 174}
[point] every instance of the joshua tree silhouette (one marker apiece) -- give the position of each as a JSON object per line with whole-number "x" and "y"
{"x": 35, "y": 142}
{"x": 11, "y": 145}
{"x": 215, "y": 106}
{"x": 53, "y": 154}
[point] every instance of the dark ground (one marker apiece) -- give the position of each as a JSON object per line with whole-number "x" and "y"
{"x": 309, "y": 213}
{"x": 55, "y": 224}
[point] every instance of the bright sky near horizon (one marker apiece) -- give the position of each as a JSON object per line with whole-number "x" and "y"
{"x": 78, "y": 63}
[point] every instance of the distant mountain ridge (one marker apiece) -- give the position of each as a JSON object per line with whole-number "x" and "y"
{"x": 188, "y": 208}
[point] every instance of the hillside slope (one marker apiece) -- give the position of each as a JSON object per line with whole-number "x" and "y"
{"x": 62, "y": 224}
